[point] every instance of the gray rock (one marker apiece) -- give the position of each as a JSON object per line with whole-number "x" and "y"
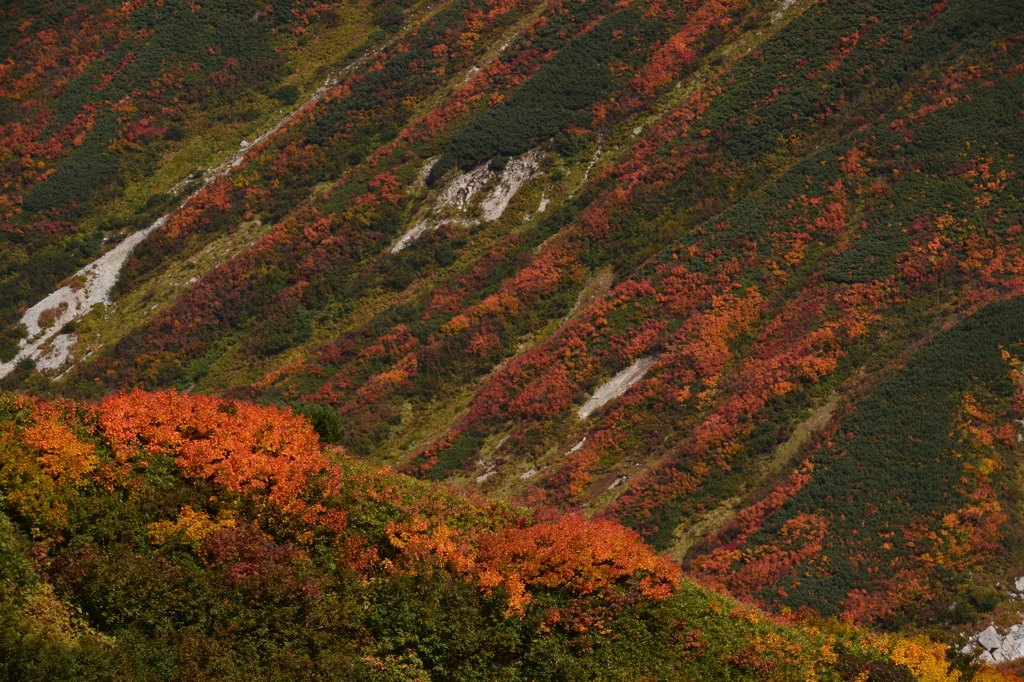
{"x": 987, "y": 657}
{"x": 1013, "y": 646}
{"x": 990, "y": 639}
{"x": 1019, "y": 584}
{"x": 1009, "y": 652}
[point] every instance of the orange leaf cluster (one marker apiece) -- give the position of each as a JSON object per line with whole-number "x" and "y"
{"x": 246, "y": 448}
{"x": 63, "y": 457}
{"x": 587, "y": 557}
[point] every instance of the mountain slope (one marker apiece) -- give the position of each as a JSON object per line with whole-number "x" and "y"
{"x": 747, "y": 217}
{"x": 165, "y": 536}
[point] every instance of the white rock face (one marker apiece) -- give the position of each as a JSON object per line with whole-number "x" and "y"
{"x": 409, "y": 237}
{"x": 617, "y": 385}
{"x": 577, "y": 447}
{"x": 528, "y": 474}
{"x": 617, "y": 482}
{"x": 1011, "y": 647}
{"x": 89, "y": 286}
{"x": 516, "y": 174}
{"x": 421, "y": 177}
{"x": 997, "y": 648}
{"x": 461, "y": 191}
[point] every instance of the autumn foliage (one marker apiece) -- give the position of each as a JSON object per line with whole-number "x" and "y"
{"x": 564, "y": 582}
{"x": 269, "y": 455}
{"x": 242, "y": 447}
{"x": 774, "y": 209}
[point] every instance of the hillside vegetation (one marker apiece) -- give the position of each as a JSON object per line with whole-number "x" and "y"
{"x": 165, "y": 536}
{"x": 788, "y": 233}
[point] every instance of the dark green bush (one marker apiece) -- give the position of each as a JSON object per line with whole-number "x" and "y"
{"x": 286, "y": 94}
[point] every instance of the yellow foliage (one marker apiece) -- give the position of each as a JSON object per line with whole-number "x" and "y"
{"x": 989, "y": 674}
{"x": 51, "y": 617}
{"x": 190, "y": 528}
{"x": 39, "y": 488}
{"x": 925, "y": 658}
{"x": 456, "y": 325}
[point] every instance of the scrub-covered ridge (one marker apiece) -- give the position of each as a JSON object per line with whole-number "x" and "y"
{"x": 167, "y": 536}
{"x": 741, "y": 281}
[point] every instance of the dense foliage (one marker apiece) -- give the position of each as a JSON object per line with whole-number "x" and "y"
{"x": 94, "y": 96}
{"x": 906, "y": 476}
{"x": 772, "y": 214}
{"x": 168, "y": 536}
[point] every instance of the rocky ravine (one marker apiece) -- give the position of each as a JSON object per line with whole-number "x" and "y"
{"x": 47, "y": 344}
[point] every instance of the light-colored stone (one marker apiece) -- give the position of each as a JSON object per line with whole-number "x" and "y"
{"x": 91, "y": 285}
{"x": 1011, "y": 650}
{"x": 58, "y": 353}
{"x": 783, "y": 6}
{"x": 409, "y": 237}
{"x": 517, "y": 173}
{"x": 528, "y": 474}
{"x": 461, "y": 190}
{"x": 464, "y": 187}
{"x": 617, "y": 385}
{"x": 990, "y": 639}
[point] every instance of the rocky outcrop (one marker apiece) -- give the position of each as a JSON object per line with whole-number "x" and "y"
{"x": 995, "y": 647}
{"x": 516, "y": 174}
{"x": 461, "y": 191}
{"x": 617, "y": 385}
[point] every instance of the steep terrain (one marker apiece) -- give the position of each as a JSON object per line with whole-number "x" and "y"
{"x": 181, "y": 537}
{"x": 745, "y": 277}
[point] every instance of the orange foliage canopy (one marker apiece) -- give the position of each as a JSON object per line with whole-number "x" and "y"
{"x": 62, "y": 456}
{"x": 587, "y": 557}
{"x": 245, "y": 448}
